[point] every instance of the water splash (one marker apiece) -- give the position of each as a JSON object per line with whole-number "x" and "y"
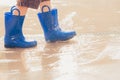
{"x": 67, "y": 22}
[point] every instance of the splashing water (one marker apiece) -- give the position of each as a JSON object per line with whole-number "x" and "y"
{"x": 68, "y": 20}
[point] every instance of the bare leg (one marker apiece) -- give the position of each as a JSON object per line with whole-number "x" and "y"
{"x": 23, "y": 10}
{"x": 48, "y": 3}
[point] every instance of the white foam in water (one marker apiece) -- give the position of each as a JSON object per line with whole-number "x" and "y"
{"x": 7, "y": 60}
{"x": 68, "y": 21}
{"x": 112, "y": 51}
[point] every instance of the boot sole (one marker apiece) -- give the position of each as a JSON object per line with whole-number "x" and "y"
{"x": 9, "y": 46}
{"x": 53, "y": 41}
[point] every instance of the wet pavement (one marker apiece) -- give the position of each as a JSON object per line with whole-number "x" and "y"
{"x": 94, "y": 54}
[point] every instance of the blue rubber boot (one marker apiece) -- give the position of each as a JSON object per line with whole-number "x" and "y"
{"x": 13, "y": 31}
{"x": 50, "y": 25}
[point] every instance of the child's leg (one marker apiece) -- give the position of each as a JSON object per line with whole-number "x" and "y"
{"x": 23, "y": 10}
{"x": 48, "y": 3}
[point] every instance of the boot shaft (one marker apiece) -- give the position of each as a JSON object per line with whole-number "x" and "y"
{"x": 49, "y": 20}
{"x": 50, "y": 25}
{"x": 13, "y": 24}
{"x": 13, "y": 31}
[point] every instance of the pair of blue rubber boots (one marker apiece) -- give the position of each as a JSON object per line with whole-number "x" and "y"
{"x": 14, "y": 37}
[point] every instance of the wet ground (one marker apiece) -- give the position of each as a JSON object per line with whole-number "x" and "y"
{"x": 94, "y": 54}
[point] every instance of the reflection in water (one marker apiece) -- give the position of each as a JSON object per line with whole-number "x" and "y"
{"x": 62, "y": 60}
{"x": 31, "y": 61}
